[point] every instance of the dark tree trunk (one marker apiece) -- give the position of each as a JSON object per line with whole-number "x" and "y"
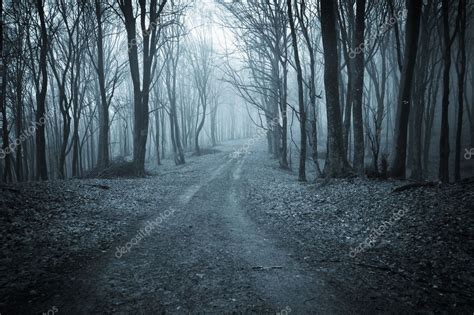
{"x": 419, "y": 98}
{"x": 429, "y": 120}
{"x": 299, "y": 72}
{"x": 157, "y": 137}
{"x": 398, "y": 169}
{"x": 141, "y": 86}
{"x": 163, "y": 134}
{"x": 336, "y": 161}
{"x": 77, "y": 109}
{"x": 19, "y": 114}
{"x": 312, "y": 87}
{"x": 201, "y": 124}
{"x": 41, "y": 165}
{"x": 461, "y": 81}
{"x": 4, "y": 154}
{"x": 103, "y": 149}
{"x": 472, "y": 106}
{"x": 443, "y": 173}
{"x": 358, "y": 89}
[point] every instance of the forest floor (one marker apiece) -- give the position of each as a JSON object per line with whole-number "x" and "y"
{"x": 235, "y": 236}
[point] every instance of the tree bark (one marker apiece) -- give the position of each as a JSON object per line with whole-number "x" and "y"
{"x": 41, "y": 165}
{"x": 103, "y": 148}
{"x": 358, "y": 89}
{"x": 419, "y": 97}
{"x": 336, "y": 161}
{"x": 443, "y": 172}
{"x": 141, "y": 86}
{"x": 398, "y": 169}
{"x": 461, "y": 81}
{"x": 299, "y": 72}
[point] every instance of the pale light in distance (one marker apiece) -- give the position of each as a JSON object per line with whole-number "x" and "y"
{"x": 205, "y": 19}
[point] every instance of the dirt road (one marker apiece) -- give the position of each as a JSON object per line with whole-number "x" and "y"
{"x": 205, "y": 256}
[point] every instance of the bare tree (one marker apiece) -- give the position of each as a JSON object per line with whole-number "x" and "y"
{"x": 41, "y": 89}
{"x": 357, "y": 90}
{"x": 462, "y": 12}
{"x": 141, "y": 85}
{"x": 336, "y": 161}
{"x": 301, "y": 106}
{"x": 448, "y": 40}
{"x": 398, "y": 168}
{"x": 202, "y": 63}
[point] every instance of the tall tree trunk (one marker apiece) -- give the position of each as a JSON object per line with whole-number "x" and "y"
{"x": 346, "y": 31}
{"x": 443, "y": 173}
{"x": 461, "y": 80}
{"x": 4, "y": 154}
{"x": 163, "y": 134}
{"x": 419, "y": 98}
{"x": 312, "y": 87}
{"x": 472, "y": 105}
{"x": 214, "y": 123}
{"x": 103, "y": 149}
{"x": 141, "y": 87}
{"x": 358, "y": 89}
{"x": 283, "y": 87}
{"x": 41, "y": 165}
{"x": 398, "y": 169}
{"x": 299, "y": 72}
{"x": 19, "y": 117}
{"x": 203, "y": 101}
{"x": 429, "y": 120}
{"x": 77, "y": 109}
{"x": 157, "y": 137}
{"x": 336, "y": 161}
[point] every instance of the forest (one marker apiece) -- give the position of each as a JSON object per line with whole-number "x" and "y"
{"x": 237, "y": 156}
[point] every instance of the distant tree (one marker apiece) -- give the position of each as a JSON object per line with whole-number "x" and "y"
{"x": 173, "y": 53}
{"x": 202, "y": 63}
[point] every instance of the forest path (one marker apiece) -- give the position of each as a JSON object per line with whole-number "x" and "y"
{"x": 207, "y": 256}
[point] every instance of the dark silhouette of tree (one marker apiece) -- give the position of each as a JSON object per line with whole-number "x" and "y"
{"x": 398, "y": 169}
{"x": 336, "y": 161}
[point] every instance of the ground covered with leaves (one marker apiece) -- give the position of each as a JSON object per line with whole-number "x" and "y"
{"x": 51, "y": 230}
{"x": 375, "y": 249}
{"x": 409, "y": 250}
